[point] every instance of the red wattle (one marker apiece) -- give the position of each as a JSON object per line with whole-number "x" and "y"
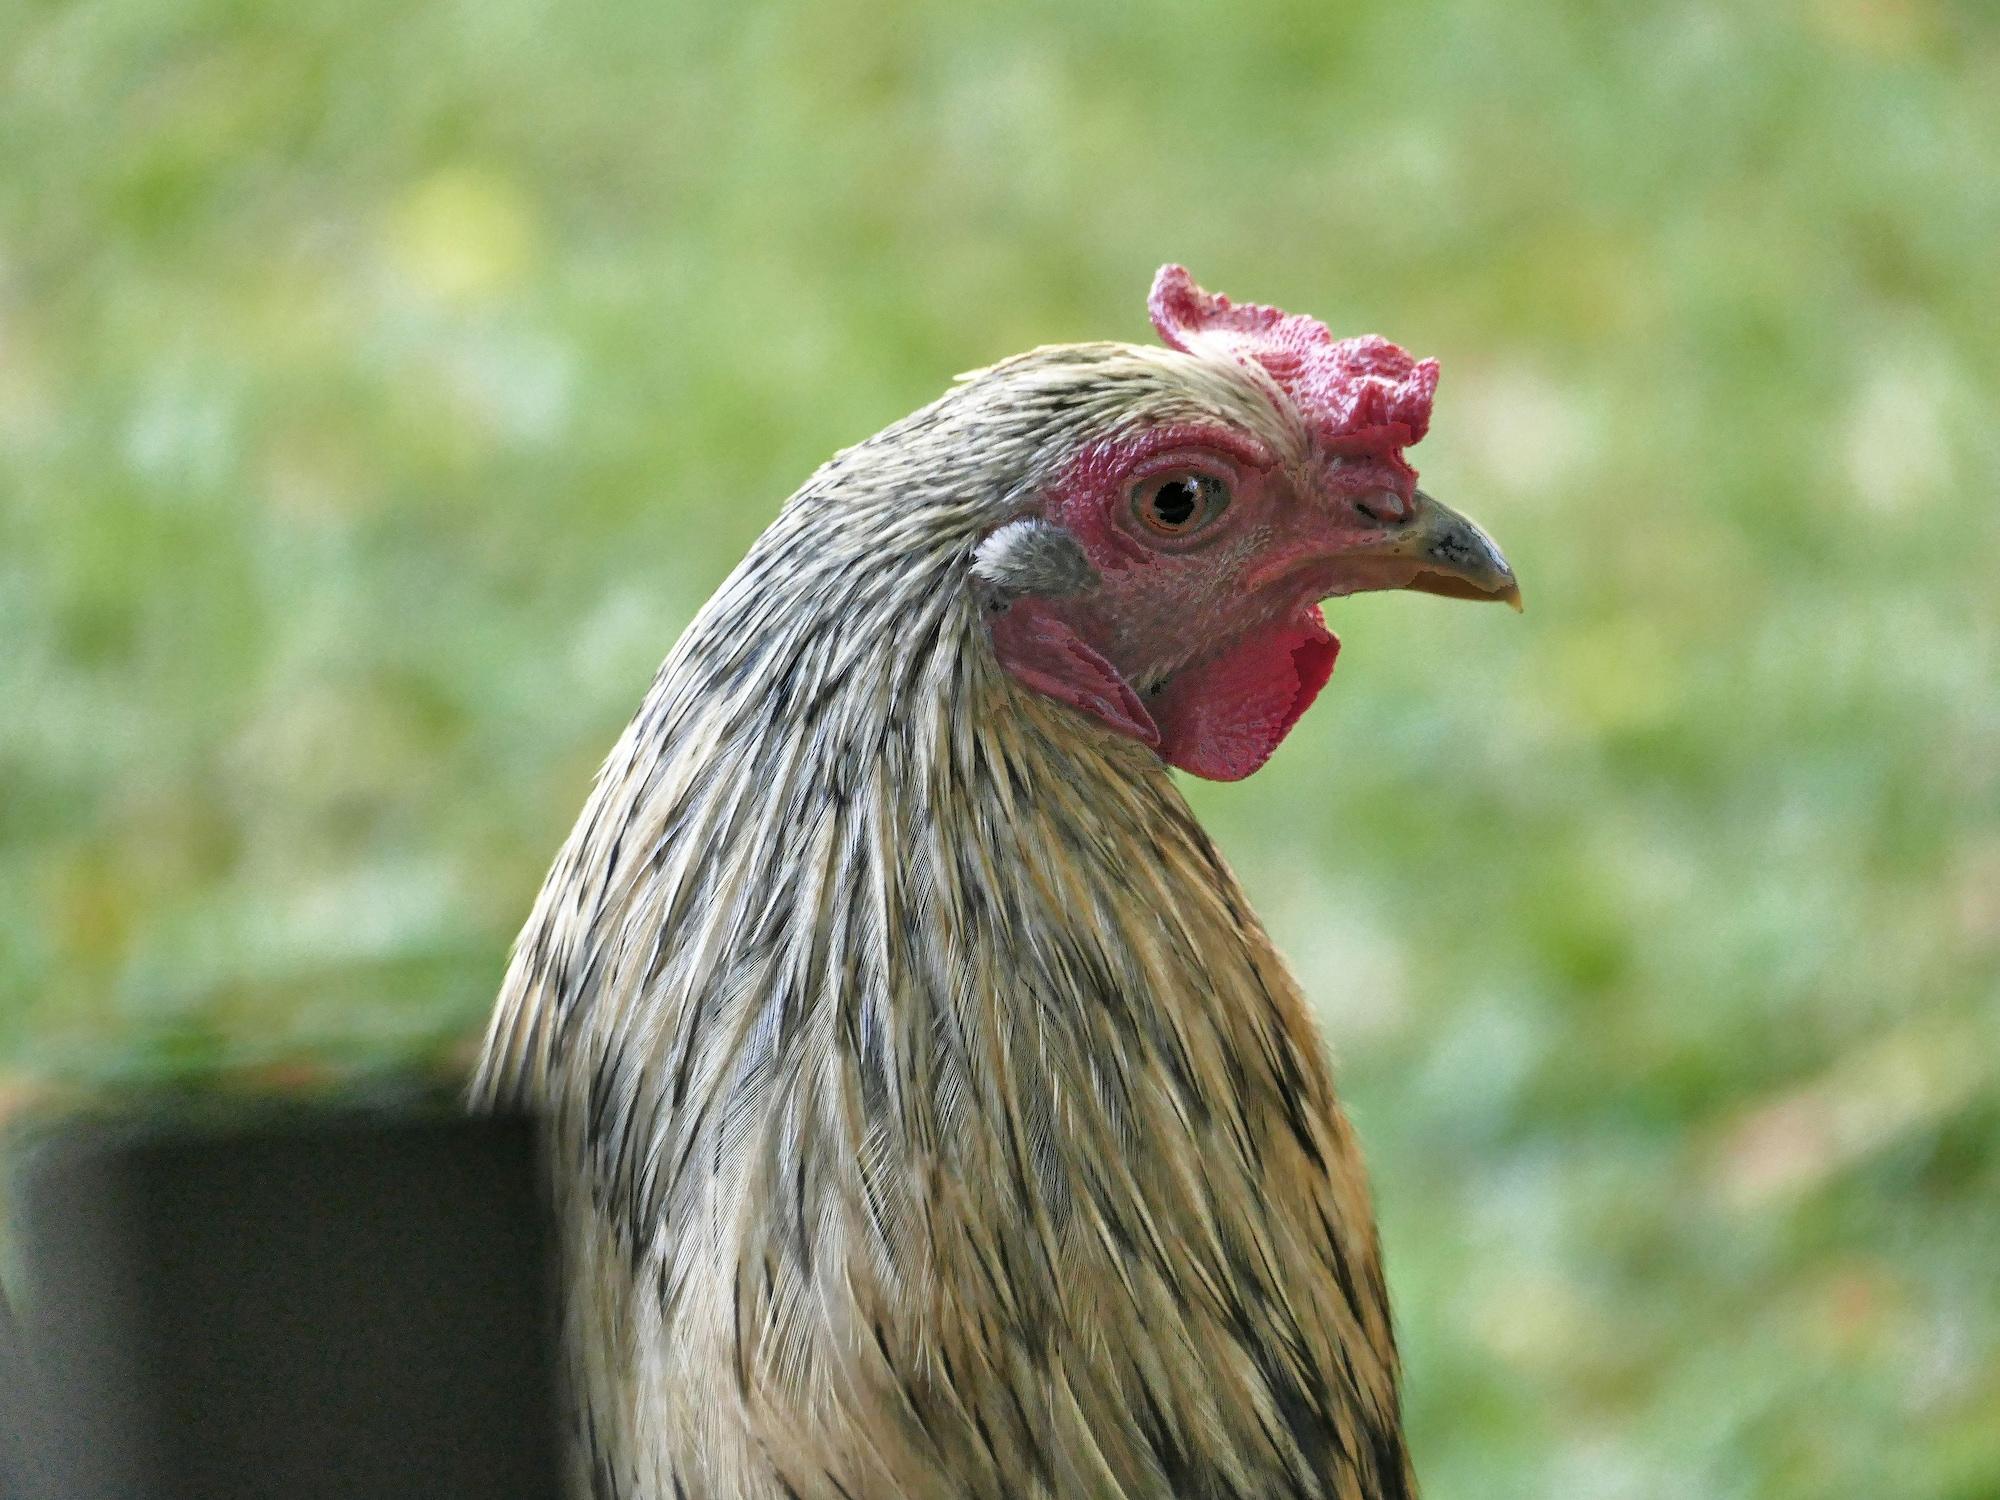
{"x": 1221, "y": 719}
{"x": 1045, "y": 653}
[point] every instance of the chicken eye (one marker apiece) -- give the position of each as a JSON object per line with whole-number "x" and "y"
{"x": 1176, "y": 504}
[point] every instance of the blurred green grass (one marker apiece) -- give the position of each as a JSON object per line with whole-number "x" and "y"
{"x": 381, "y": 387}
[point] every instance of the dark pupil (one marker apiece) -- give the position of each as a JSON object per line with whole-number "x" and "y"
{"x": 1175, "y": 502}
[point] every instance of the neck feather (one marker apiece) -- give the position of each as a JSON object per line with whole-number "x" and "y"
{"x": 866, "y": 970}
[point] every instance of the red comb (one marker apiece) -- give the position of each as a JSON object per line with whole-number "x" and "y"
{"x": 1361, "y": 395}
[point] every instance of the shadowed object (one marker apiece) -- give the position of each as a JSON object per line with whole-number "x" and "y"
{"x": 334, "y": 1305}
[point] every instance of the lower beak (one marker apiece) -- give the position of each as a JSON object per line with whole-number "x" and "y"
{"x": 1438, "y": 551}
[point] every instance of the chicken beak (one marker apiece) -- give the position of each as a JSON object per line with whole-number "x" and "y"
{"x": 1442, "y": 552}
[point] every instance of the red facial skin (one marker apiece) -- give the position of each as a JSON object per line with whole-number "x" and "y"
{"x": 1210, "y": 645}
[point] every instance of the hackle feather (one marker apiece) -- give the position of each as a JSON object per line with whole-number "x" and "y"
{"x": 932, "y": 1116}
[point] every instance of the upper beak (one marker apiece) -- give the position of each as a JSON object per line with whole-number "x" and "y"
{"x": 1441, "y": 552}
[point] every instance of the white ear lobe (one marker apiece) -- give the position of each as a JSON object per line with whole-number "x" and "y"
{"x": 1033, "y": 556}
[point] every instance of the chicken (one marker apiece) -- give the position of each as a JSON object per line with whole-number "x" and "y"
{"x": 931, "y": 1115}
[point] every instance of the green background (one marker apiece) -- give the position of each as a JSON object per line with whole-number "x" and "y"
{"x": 382, "y": 386}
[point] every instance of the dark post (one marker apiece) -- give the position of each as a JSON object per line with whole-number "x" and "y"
{"x": 14, "y": 1388}
{"x": 341, "y": 1305}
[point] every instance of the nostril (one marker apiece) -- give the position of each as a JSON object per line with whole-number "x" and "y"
{"x": 1383, "y": 507}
